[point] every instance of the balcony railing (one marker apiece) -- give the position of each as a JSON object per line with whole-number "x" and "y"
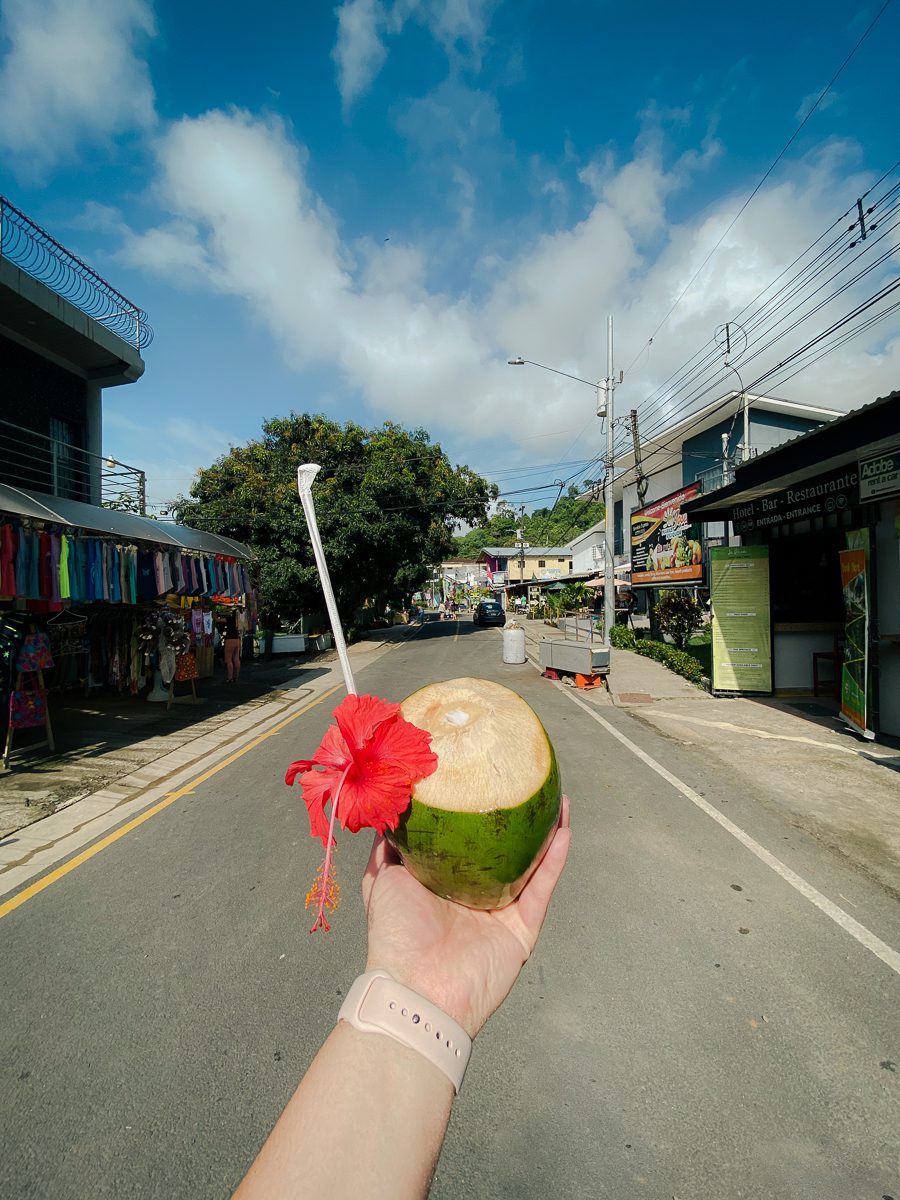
{"x": 722, "y": 474}
{"x": 34, "y": 251}
{"x": 53, "y": 466}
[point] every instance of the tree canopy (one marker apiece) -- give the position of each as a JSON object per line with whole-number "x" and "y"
{"x": 387, "y": 501}
{"x": 554, "y": 526}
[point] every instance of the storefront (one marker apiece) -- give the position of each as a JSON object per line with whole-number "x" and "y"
{"x": 824, "y": 511}
{"x": 96, "y": 598}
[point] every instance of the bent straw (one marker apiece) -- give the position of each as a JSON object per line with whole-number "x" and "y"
{"x": 305, "y": 476}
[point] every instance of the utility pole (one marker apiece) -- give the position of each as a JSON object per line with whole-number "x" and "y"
{"x": 607, "y": 408}
{"x": 745, "y": 399}
{"x": 642, "y": 481}
{"x": 521, "y": 544}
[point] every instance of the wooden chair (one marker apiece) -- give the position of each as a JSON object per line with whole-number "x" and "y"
{"x": 836, "y": 657}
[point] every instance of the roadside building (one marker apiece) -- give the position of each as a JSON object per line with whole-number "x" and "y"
{"x": 505, "y": 564}
{"x": 701, "y": 452}
{"x": 819, "y": 523}
{"x": 82, "y": 568}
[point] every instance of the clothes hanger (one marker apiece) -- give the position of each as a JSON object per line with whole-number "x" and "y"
{"x": 67, "y": 617}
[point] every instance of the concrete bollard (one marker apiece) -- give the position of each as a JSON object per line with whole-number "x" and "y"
{"x": 514, "y": 643}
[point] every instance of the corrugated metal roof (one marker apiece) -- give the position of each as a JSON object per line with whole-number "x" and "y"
{"x": 57, "y": 510}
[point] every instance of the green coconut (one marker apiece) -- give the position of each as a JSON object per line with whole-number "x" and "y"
{"x": 479, "y": 825}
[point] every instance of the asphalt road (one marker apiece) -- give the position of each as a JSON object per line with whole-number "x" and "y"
{"x": 691, "y": 1026}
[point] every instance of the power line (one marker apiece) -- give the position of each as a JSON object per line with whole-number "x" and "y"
{"x": 702, "y": 379}
{"x": 774, "y": 164}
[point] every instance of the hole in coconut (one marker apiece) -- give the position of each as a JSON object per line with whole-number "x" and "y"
{"x": 438, "y": 1036}
{"x": 416, "y": 1018}
{"x": 457, "y": 716}
{"x": 393, "y": 1004}
{"x": 458, "y": 1053}
{"x": 405, "y": 1012}
{"x": 428, "y": 1027}
{"x": 449, "y": 1044}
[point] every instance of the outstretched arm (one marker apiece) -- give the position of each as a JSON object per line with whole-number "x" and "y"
{"x": 368, "y": 1120}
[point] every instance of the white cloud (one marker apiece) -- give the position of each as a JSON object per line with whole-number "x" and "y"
{"x": 243, "y": 220}
{"x": 359, "y": 51}
{"x": 245, "y": 223}
{"x": 452, "y": 116}
{"x": 810, "y": 99}
{"x": 458, "y": 26}
{"x": 71, "y": 75}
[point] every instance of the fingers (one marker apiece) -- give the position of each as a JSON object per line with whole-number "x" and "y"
{"x": 373, "y": 866}
{"x": 535, "y": 898}
{"x": 382, "y": 855}
{"x": 564, "y": 817}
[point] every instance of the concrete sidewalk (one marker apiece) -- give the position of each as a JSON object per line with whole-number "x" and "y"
{"x": 793, "y": 754}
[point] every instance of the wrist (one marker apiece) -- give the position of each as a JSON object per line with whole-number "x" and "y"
{"x": 379, "y": 1003}
{"x": 438, "y": 991}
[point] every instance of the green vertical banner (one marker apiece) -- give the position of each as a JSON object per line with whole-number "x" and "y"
{"x": 855, "y": 670}
{"x": 741, "y": 620}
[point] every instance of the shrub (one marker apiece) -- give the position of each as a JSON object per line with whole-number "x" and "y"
{"x": 679, "y": 615}
{"x": 621, "y": 637}
{"x": 676, "y": 660}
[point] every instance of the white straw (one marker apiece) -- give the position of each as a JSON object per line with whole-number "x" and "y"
{"x": 305, "y": 476}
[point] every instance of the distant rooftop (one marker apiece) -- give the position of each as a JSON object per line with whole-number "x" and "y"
{"x": 530, "y": 551}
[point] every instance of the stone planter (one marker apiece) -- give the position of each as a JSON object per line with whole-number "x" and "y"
{"x": 288, "y": 643}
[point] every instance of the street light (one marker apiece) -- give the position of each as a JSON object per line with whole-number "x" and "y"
{"x": 605, "y": 407}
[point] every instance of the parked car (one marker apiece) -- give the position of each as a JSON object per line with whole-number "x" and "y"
{"x": 489, "y": 612}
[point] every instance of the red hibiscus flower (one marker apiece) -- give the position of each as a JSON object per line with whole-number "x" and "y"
{"x": 366, "y": 765}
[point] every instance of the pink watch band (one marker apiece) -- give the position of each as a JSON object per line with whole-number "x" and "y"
{"x": 377, "y": 1003}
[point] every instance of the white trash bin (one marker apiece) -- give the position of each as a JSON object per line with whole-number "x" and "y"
{"x": 513, "y": 643}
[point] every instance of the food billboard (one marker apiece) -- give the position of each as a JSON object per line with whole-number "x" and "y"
{"x": 665, "y": 546}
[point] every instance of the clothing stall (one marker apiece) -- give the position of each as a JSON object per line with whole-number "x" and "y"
{"x": 107, "y": 599}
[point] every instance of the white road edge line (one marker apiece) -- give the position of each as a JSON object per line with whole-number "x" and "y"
{"x": 864, "y": 936}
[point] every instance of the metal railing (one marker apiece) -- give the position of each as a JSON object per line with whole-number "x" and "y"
{"x": 47, "y": 260}
{"x": 723, "y": 472}
{"x": 715, "y": 477}
{"x": 53, "y": 466}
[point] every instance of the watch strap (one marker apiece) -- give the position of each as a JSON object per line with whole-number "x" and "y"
{"x": 377, "y": 1003}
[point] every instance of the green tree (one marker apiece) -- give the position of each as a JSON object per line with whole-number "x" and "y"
{"x": 576, "y": 595}
{"x": 554, "y": 526}
{"x": 387, "y": 501}
{"x": 679, "y": 615}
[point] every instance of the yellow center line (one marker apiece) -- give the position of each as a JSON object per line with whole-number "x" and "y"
{"x": 60, "y": 872}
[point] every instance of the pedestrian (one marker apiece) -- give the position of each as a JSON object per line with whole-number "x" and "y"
{"x": 442, "y": 611}
{"x": 369, "y": 1117}
{"x": 421, "y": 614}
{"x": 231, "y": 642}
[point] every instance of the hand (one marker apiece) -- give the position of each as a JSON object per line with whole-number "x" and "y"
{"x": 462, "y": 959}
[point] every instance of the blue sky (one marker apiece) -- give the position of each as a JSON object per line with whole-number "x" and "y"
{"x": 366, "y": 209}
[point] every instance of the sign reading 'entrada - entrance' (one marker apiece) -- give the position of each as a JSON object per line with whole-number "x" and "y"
{"x": 832, "y": 493}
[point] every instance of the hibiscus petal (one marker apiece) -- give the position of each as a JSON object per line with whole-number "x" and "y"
{"x": 302, "y": 764}
{"x": 375, "y": 799}
{"x": 333, "y": 750}
{"x": 318, "y": 788}
{"x": 360, "y": 716}
{"x": 406, "y": 747}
